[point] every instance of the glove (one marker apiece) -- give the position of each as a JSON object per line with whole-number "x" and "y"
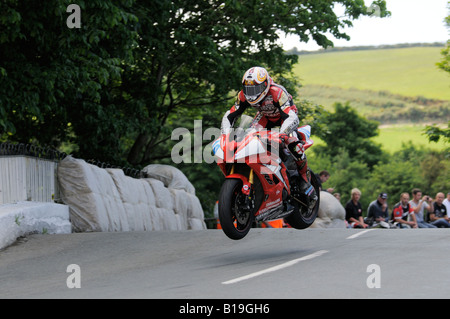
{"x": 283, "y": 137}
{"x": 296, "y": 148}
{"x": 288, "y": 140}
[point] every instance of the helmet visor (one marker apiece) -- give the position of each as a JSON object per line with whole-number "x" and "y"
{"x": 254, "y": 90}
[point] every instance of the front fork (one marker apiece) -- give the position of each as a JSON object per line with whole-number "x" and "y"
{"x": 247, "y": 183}
{"x": 247, "y": 186}
{"x": 246, "y": 200}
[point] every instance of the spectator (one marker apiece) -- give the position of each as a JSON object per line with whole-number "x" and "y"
{"x": 402, "y": 212}
{"x": 378, "y": 211}
{"x": 338, "y": 196}
{"x": 446, "y": 202}
{"x": 322, "y": 177}
{"x": 419, "y": 206}
{"x": 353, "y": 211}
{"x": 439, "y": 216}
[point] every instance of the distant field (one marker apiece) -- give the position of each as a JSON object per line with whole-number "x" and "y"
{"x": 401, "y": 88}
{"x": 391, "y": 138}
{"x": 382, "y": 106}
{"x": 406, "y": 71}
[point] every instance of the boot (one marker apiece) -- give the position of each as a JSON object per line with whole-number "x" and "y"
{"x": 302, "y": 167}
{"x": 298, "y": 152}
{"x": 306, "y": 186}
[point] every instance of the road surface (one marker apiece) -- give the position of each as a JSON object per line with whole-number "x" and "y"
{"x": 267, "y": 264}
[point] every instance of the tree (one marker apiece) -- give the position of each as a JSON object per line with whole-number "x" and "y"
{"x": 224, "y": 39}
{"x": 445, "y": 63}
{"x": 349, "y": 132}
{"x": 409, "y": 167}
{"x": 346, "y": 174}
{"x": 53, "y": 79}
{"x": 116, "y": 86}
{"x": 394, "y": 178}
{"x": 434, "y": 132}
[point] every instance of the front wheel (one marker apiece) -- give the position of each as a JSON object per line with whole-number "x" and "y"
{"x": 235, "y": 219}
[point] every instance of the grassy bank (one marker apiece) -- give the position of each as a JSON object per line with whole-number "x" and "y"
{"x": 401, "y": 88}
{"x": 406, "y": 71}
{"x": 391, "y": 137}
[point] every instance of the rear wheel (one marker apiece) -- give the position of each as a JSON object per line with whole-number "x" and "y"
{"x": 304, "y": 215}
{"x": 235, "y": 216}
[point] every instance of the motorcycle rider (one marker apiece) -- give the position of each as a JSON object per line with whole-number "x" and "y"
{"x": 275, "y": 107}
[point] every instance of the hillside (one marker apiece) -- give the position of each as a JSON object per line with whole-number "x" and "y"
{"x": 401, "y": 88}
{"x": 405, "y": 71}
{"x": 382, "y": 106}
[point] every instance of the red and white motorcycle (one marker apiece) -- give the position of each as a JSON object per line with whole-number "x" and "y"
{"x": 262, "y": 182}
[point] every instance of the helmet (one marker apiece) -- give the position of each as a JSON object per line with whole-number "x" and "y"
{"x": 256, "y": 84}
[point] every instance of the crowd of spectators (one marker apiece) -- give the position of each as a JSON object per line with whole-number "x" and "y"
{"x": 416, "y": 212}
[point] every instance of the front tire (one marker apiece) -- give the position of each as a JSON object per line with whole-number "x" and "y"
{"x": 235, "y": 222}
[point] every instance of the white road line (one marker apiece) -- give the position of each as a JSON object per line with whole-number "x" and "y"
{"x": 275, "y": 268}
{"x": 359, "y": 234}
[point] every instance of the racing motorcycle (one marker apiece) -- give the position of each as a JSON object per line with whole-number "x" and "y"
{"x": 261, "y": 181}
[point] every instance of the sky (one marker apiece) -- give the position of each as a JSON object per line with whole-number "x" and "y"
{"x": 411, "y": 21}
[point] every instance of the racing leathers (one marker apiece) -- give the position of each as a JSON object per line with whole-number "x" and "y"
{"x": 276, "y": 109}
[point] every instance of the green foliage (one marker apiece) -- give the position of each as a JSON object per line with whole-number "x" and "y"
{"x": 410, "y": 167}
{"x": 381, "y": 106}
{"x": 114, "y": 89}
{"x": 350, "y": 132}
{"x": 445, "y": 63}
{"x": 55, "y": 80}
{"x": 394, "y": 178}
{"x": 346, "y": 173}
{"x": 355, "y": 162}
{"x": 192, "y": 54}
{"x": 435, "y": 133}
{"x": 116, "y": 81}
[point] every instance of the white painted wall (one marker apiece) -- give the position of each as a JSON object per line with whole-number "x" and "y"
{"x": 24, "y": 178}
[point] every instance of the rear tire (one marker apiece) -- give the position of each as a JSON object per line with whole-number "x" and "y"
{"x": 235, "y": 223}
{"x": 301, "y": 218}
